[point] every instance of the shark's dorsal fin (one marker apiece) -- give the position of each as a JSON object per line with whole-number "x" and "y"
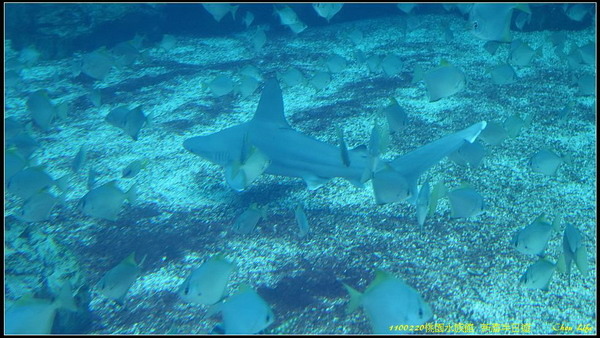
{"x": 270, "y": 106}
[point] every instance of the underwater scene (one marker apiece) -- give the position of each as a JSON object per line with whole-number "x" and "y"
{"x": 316, "y": 168}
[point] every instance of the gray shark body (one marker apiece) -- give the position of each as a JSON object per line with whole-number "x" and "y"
{"x": 294, "y": 154}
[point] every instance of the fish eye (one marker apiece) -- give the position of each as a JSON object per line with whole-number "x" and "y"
{"x": 186, "y": 290}
{"x": 420, "y": 312}
{"x": 475, "y": 25}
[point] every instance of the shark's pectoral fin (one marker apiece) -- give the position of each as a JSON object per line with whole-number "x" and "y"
{"x": 314, "y": 182}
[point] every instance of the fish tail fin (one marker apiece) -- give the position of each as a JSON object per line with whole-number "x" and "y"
{"x": 418, "y": 74}
{"x": 355, "y": 298}
{"x": 556, "y": 223}
{"x": 581, "y": 261}
{"x": 132, "y": 194}
{"x": 568, "y": 159}
{"x": 234, "y": 10}
{"x": 65, "y": 298}
{"x": 438, "y": 192}
{"x": 150, "y": 118}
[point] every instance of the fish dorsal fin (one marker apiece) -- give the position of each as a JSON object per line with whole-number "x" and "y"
{"x": 380, "y": 276}
{"x": 130, "y": 259}
{"x": 270, "y": 106}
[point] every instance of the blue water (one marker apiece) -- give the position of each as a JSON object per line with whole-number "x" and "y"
{"x": 465, "y": 269}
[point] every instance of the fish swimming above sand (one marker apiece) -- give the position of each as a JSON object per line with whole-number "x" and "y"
{"x": 130, "y": 121}
{"x": 423, "y": 200}
{"x": 221, "y": 85}
{"x": 245, "y": 312}
{"x": 251, "y": 164}
{"x": 208, "y": 283}
{"x": 469, "y": 154}
{"x": 391, "y": 65}
{"x": 134, "y": 168}
{"x": 573, "y": 251}
{"x": 577, "y": 12}
{"x": 106, "y": 201}
{"x": 219, "y": 10}
{"x": 287, "y": 16}
{"x": 547, "y": 162}
{"x": 294, "y": 154}
{"x": 443, "y": 81}
{"x": 533, "y": 239}
{"x": 389, "y": 301}
{"x": 396, "y": 116}
{"x": 302, "y": 221}
{"x": 539, "y": 275}
{"x": 503, "y": 74}
{"x": 494, "y": 133}
{"x": 491, "y": 22}
{"x": 291, "y": 77}
{"x": 30, "y": 315}
{"x": 465, "y": 202}
{"x": 247, "y": 86}
{"x": 42, "y": 111}
{"x": 320, "y": 80}
{"x": 38, "y": 207}
{"x": 117, "y": 281}
{"x": 521, "y": 54}
{"x": 327, "y": 9}
{"x": 513, "y": 124}
{"x": 335, "y": 63}
{"x": 13, "y": 163}
{"x": 29, "y": 181}
{"x": 248, "y": 19}
{"x": 246, "y": 222}
{"x": 258, "y": 39}
{"x": 97, "y": 64}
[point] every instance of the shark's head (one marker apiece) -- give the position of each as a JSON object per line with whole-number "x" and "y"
{"x": 221, "y": 148}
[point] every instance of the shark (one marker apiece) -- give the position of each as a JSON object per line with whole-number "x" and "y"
{"x": 268, "y": 144}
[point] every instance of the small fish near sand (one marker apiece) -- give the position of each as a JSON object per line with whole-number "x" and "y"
{"x": 130, "y": 121}
{"x": 573, "y": 251}
{"x": 539, "y": 275}
{"x": 533, "y": 239}
{"x": 245, "y": 312}
{"x": 547, "y": 162}
{"x": 389, "y": 301}
{"x": 117, "y": 281}
{"x": 106, "y": 201}
{"x": 32, "y": 316}
{"x": 465, "y": 202}
{"x": 443, "y": 81}
{"x": 302, "y": 221}
{"x": 247, "y": 221}
{"x": 207, "y": 284}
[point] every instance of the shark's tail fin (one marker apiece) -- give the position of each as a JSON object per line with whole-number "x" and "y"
{"x": 397, "y": 181}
